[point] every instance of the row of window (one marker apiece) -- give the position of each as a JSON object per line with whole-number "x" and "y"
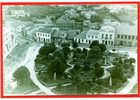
{"x": 107, "y": 42}
{"x": 92, "y": 36}
{"x": 42, "y": 34}
{"x": 107, "y": 36}
{"x": 127, "y": 37}
{"x": 44, "y": 39}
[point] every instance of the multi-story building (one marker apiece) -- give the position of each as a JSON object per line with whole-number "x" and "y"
{"x": 87, "y": 36}
{"x": 126, "y": 35}
{"x": 44, "y": 34}
{"x": 92, "y": 35}
{"x": 8, "y": 41}
{"x": 107, "y": 35}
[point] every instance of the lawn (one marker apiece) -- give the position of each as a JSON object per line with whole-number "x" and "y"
{"x": 134, "y": 90}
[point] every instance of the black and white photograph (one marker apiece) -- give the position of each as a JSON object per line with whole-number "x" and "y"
{"x": 70, "y": 49}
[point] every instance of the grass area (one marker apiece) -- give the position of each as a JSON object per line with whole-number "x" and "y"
{"x": 134, "y": 90}
{"x": 25, "y": 88}
{"x": 17, "y": 56}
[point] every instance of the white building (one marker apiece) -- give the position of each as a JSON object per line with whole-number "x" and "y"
{"x": 107, "y": 35}
{"x": 44, "y": 34}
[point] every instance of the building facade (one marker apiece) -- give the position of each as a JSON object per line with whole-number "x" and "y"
{"x": 126, "y": 35}
{"x": 44, "y": 35}
{"x": 107, "y": 35}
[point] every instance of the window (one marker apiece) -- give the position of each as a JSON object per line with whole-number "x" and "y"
{"x": 92, "y": 36}
{"x": 110, "y": 36}
{"x": 88, "y": 36}
{"x": 102, "y": 41}
{"x": 48, "y": 35}
{"x": 106, "y": 36}
{"x": 111, "y": 42}
{"x": 43, "y": 34}
{"x": 82, "y": 40}
{"x": 129, "y": 37}
{"x": 108, "y": 42}
{"x": 38, "y": 34}
{"x": 122, "y": 36}
{"x": 95, "y": 36}
{"x": 118, "y": 36}
{"x": 102, "y": 36}
{"x": 125, "y": 36}
{"x": 133, "y": 37}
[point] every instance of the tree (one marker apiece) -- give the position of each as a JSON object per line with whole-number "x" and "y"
{"x": 66, "y": 51}
{"x": 102, "y": 47}
{"x": 65, "y": 44}
{"x": 94, "y": 43}
{"x": 113, "y": 50}
{"x": 99, "y": 72}
{"x": 21, "y": 74}
{"x": 132, "y": 60}
{"x": 85, "y": 50}
{"x": 74, "y": 44}
{"x": 97, "y": 65}
{"x": 56, "y": 66}
{"x": 76, "y": 66}
{"x": 58, "y": 53}
{"x": 126, "y": 65}
{"x": 86, "y": 68}
{"x": 94, "y": 52}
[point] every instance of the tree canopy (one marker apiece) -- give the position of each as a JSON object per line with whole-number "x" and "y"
{"x": 102, "y": 47}
{"x": 58, "y": 53}
{"x": 94, "y": 43}
{"x": 74, "y": 44}
{"x": 94, "y": 52}
{"x": 21, "y": 73}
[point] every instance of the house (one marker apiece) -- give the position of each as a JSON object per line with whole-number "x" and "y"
{"x": 63, "y": 34}
{"x": 81, "y": 38}
{"x": 8, "y": 41}
{"x": 17, "y": 27}
{"x": 30, "y": 32}
{"x": 55, "y": 35}
{"x": 18, "y": 13}
{"x": 107, "y": 35}
{"x": 65, "y": 24}
{"x": 71, "y": 34}
{"x": 47, "y": 20}
{"x": 92, "y": 35}
{"x": 44, "y": 34}
{"x": 126, "y": 35}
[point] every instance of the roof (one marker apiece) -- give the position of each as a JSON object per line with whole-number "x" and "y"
{"x": 15, "y": 24}
{"x": 65, "y": 21}
{"x": 82, "y": 35}
{"x": 107, "y": 28}
{"x": 31, "y": 28}
{"x": 93, "y": 32}
{"x": 126, "y": 29}
{"x": 71, "y": 34}
{"x": 55, "y": 33}
{"x": 45, "y": 30}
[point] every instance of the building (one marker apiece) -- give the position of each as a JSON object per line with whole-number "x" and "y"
{"x": 8, "y": 41}
{"x": 17, "y": 27}
{"x": 92, "y": 35}
{"x": 30, "y": 32}
{"x": 107, "y": 35}
{"x": 106, "y": 21}
{"x": 44, "y": 34}
{"x": 71, "y": 34}
{"x": 87, "y": 36}
{"x": 126, "y": 35}
{"x": 65, "y": 24}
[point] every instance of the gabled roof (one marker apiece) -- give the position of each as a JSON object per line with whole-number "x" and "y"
{"x": 15, "y": 24}
{"x": 82, "y": 35}
{"x": 126, "y": 29}
{"x": 93, "y": 32}
{"x": 45, "y": 30}
{"x": 71, "y": 34}
{"x": 55, "y": 33}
